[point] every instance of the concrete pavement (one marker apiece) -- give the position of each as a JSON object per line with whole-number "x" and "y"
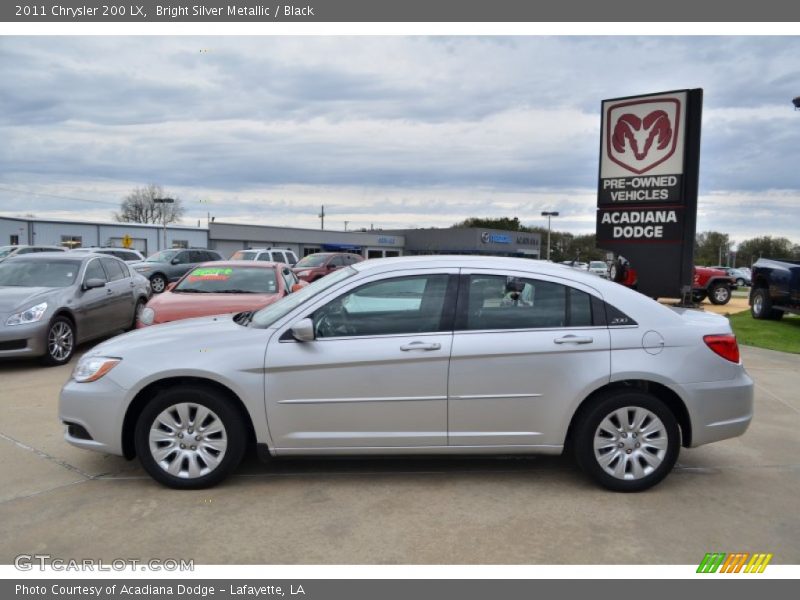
{"x": 737, "y": 495}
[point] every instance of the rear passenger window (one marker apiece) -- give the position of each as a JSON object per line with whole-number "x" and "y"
{"x": 580, "y": 308}
{"x": 113, "y": 268}
{"x": 278, "y": 257}
{"x": 499, "y": 302}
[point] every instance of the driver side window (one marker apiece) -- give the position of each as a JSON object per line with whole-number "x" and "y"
{"x": 401, "y": 305}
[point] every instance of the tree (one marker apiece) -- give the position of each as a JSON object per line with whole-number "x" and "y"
{"x": 138, "y": 207}
{"x": 711, "y": 248}
{"x": 767, "y": 246}
{"x": 505, "y": 223}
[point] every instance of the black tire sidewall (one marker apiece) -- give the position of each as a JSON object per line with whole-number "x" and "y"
{"x": 48, "y": 359}
{"x": 599, "y": 410}
{"x": 221, "y": 405}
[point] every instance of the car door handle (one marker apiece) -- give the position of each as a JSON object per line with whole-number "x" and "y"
{"x": 420, "y": 346}
{"x": 573, "y": 339}
{"x": 109, "y": 291}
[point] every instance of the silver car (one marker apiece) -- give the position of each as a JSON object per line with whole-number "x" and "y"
{"x": 420, "y": 355}
{"x": 51, "y": 302}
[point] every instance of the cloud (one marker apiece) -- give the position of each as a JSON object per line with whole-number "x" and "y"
{"x": 392, "y": 130}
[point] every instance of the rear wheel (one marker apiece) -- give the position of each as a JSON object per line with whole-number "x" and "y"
{"x": 140, "y": 304}
{"x": 698, "y": 297}
{"x": 158, "y": 282}
{"x": 740, "y": 282}
{"x": 762, "y": 306}
{"x": 719, "y": 293}
{"x": 627, "y": 441}
{"x": 190, "y": 437}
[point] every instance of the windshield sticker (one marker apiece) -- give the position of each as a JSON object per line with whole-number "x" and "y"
{"x": 210, "y": 274}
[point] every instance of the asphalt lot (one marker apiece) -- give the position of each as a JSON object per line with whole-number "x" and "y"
{"x": 737, "y": 495}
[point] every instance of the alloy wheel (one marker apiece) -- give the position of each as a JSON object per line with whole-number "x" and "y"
{"x": 188, "y": 440}
{"x": 60, "y": 341}
{"x": 630, "y": 443}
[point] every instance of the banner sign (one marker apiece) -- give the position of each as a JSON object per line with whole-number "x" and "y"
{"x": 647, "y": 188}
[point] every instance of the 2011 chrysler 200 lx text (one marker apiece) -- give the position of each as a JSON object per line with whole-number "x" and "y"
{"x": 420, "y": 355}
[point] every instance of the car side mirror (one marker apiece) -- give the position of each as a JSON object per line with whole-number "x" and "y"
{"x": 303, "y": 330}
{"x": 174, "y": 261}
{"x": 91, "y": 284}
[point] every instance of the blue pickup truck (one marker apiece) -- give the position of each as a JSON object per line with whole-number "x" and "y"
{"x": 776, "y": 288}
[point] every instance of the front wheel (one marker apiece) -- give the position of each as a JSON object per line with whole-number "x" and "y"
{"x": 60, "y": 342}
{"x": 720, "y": 293}
{"x": 190, "y": 437}
{"x": 740, "y": 282}
{"x": 627, "y": 442}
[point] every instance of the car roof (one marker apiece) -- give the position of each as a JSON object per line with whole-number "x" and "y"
{"x": 54, "y": 256}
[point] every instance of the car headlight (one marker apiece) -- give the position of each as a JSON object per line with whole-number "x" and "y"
{"x": 147, "y": 316}
{"x": 92, "y": 368}
{"x": 304, "y": 273}
{"x": 31, "y": 315}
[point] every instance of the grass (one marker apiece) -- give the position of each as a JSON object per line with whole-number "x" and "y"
{"x": 783, "y": 335}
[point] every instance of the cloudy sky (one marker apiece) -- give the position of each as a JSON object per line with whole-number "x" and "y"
{"x": 390, "y": 131}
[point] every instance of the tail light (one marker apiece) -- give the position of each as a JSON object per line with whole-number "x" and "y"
{"x": 723, "y": 345}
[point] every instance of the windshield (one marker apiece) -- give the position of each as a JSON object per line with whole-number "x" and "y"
{"x": 268, "y": 315}
{"x": 244, "y": 255}
{"x": 20, "y": 273}
{"x": 6, "y": 250}
{"x": 598, "y": 264}
{"x": 312, "y": 260}
{"x": 163, "y": 256}
{"x": 229, "y": 280}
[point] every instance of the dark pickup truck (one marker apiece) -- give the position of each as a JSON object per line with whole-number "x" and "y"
{"x": 776, "y": 288}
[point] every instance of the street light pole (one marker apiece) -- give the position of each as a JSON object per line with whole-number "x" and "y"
{"x": 548, "y": 214}
{"x": 164, "y": 215}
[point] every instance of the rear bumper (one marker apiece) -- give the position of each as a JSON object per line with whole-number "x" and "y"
{"x": 719, "y": 409}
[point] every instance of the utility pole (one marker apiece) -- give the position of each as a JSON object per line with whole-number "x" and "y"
{"x": 548, "y": 214}
{"x": 345, "y": 225}
{"x": 321, "y": 216}
{"x": 164, "y": 215}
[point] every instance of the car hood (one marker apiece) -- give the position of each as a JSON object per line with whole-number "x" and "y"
{"x": 179, "y": 337}
{"x": 12, "y": 297}
{"x": 171, "y": 306}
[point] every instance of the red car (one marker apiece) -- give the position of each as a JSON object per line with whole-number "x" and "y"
{"x": 220, "y": 287}
{"x": 314, "y": 266}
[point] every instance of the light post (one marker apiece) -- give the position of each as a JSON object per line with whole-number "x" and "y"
{"x": 548, "y": 214}
{"x": 164, "y": 215}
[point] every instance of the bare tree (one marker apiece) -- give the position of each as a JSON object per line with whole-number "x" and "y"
{"x": 138, "y": 206}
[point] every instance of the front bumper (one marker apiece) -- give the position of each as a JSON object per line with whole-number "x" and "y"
{"x": 98, "y": 407}
{"x": 20, "y": 341}
{"x": 718, "y": 409}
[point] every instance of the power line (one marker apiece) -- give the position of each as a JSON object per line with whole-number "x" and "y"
{"x": 58, "y": 196}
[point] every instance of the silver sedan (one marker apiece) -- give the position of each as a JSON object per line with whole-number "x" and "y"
{"x": 420, "y": 355}
{"x": 51, "y": 302}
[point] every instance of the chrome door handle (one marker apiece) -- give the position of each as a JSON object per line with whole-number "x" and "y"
{"x": 420, "y": 346}
{"x": 573, "y": 339}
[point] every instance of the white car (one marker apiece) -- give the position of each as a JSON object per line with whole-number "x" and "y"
{"x": 598, "y": 267}
{"x": 279, "y": 255}
{"x": 420, "y": 355}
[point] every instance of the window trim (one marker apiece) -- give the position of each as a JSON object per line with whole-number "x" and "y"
{"x": 86, "y": 268}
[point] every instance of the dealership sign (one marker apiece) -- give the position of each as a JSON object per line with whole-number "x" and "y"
{"x": 647, "y": 188}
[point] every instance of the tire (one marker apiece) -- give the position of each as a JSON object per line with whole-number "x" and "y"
{"x": 719, "y": 293}
{"x": 140, "y": 304}
{"x": 698, "y": 297}
{"x": 740, "y": 282}
{"x": 761, "y": 307}
{"x": 59, "y": 342}
{"x": 170, "y": 417}
{"x": 614, "y": 418}
{"x": 158, "y": 283}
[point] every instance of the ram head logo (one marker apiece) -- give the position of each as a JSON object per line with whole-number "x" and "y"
{"x": 641, "y": 136}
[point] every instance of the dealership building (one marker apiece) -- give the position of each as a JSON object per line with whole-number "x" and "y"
{"x": 227, "y": 238}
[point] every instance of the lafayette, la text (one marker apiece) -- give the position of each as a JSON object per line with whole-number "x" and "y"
{"x": 147, "y": 589}
{"x": 232, "y": 10}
